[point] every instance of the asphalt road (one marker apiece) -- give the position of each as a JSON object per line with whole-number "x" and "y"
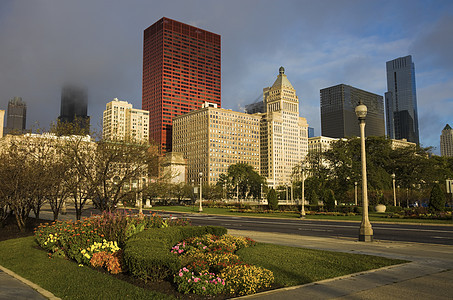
{"x": 432, "y": 234}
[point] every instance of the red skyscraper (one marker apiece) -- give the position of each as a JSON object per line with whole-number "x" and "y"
{"x": 181, "y": 71}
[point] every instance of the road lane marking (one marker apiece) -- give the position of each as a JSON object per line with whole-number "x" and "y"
{"x": 342, "y": 226}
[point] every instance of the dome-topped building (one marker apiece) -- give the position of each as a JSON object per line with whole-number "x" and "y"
{"x": 284, "y": 134}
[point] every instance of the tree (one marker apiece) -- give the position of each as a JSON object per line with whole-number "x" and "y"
{"x": 272, "y": 201}
{"x": 242, "y": 180}
{"x": 119, "y": 168}
{"x": 329, "y": 200}
{"x": 437, "y": 198}
{"x": 314, "y": 199}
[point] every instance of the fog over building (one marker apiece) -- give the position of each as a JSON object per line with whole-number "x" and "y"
{"x": 16, "y": 116}
{"x": 401, "y": 100}
{"x": 74, "y": 107}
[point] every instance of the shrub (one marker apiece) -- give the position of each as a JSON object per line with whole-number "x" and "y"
{"x": 272, "y": 200}
{"x": 206, "y": 284}
{"x": 329, "y": 200}
{"x": 245, "y": 279}
{"x": 147, "y": 254}
{"x": 314, "y": 199}
{"x": 437, "y": 199}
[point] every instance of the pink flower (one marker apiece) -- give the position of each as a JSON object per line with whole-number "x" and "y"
{"x": 204, "y": 289}
{"x": 204, "y": 247}
{"x": 180, "y": 251}
{"x": 180, "y": 274}
{"x": 189, "y": 280}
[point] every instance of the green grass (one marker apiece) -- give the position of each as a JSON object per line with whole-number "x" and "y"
{"x": 67, "y": 280}
{"x": 64, "y": 278}
{"x": 374, "y": 217}
{"x": 295, "y": 266}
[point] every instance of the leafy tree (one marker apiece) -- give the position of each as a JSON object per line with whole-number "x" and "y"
{"x": 437, "y": 198}
{"x": 313, "y": 199}
{"x": 242, "y": 180}
{"x": 272, "y": 200}
{"x": 329, "y": 200}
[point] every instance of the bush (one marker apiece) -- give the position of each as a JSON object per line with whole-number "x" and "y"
{"x": 329, "y": 200}
{"x": 147, "y": 254}
{"x": 437, "y": 199}
{"x": 314, "y": 199}
{"x": 203, "y": 283}
{"x": 245, "y": 279}
{"x": 272, "y": 200}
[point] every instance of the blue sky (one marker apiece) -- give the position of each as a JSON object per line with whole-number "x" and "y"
{"x": 98, "y": 44}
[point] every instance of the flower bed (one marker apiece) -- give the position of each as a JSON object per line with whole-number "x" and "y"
{"x": 206, "y": 256}
{"x": 96, "y": 241}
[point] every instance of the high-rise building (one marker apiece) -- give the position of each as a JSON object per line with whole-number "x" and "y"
{"x": 74, "y": 107}
{"x": 401, "y": 100}
{"x": 123, "y": 122}
{"x": 253, "y": 108}
{"x": 446, "y": 141}
{"x": 17, "y": 116}
{"x": 338, "y": 118}
{"x": 2, "y": 121}
{"x": 311, "y": 132}
{"x": 212, "y": 139}
{"x": 284, "y": 134}
{"x": 181, "y": 71}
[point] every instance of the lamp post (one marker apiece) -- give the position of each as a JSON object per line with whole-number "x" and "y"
{"x": 365, "y": 232}
{"x": 355, "y": 193}
{"x": 302, "y": 210}
{"x": 394, "y": 190}
{"x": 200, "y": 209}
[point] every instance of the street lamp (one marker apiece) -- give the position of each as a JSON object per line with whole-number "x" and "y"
{"x": 365, "y": 232}
{"x": 201, "y": 207}
{"x": 355, "y": 193}
{"x": 394, "y": 190}
{"x": 302, "y": 210}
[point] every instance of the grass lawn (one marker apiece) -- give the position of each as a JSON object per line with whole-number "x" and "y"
{"x": 65, "y": 279}
{"x": 296, "y": 266}
{"x": 374, "y": 217}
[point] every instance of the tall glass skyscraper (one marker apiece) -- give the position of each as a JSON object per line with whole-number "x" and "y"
{"x": 401, "y": 100}
{"x": 338, "y": 118}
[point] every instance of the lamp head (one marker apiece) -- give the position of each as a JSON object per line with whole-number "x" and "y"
{"x": 361, "y": 110}
{"x": 393, "y": 175}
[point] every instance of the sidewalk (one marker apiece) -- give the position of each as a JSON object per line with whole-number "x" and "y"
{"x": 428, "y": 275}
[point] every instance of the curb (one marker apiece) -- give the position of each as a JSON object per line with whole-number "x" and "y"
{"x": 36, "y": 287}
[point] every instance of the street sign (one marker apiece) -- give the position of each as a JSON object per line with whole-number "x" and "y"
{"x": 449, "y": 183}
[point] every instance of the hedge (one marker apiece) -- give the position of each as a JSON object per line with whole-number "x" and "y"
{"x": 147, "y": 254}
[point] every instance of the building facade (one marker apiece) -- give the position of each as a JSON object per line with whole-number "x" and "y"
{"x": 320, "y": 143}
{"x": 212, "y": 139}
{"x": 74, "y": 107}
{"x": 16, "y": 116}
{"x": 123, "y": 122}
{"x": 338, "y": 118}
{"x": 284, "y": 134}
{"x": 401, "y": 100}
{"x": 446, "y": 142}
{"x": 181, "y": 71}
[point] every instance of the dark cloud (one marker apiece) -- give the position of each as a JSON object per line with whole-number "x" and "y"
{"x": 98, "y": 44}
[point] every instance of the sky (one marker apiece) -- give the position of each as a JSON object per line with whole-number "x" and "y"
{"x": 98, "y": 44}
